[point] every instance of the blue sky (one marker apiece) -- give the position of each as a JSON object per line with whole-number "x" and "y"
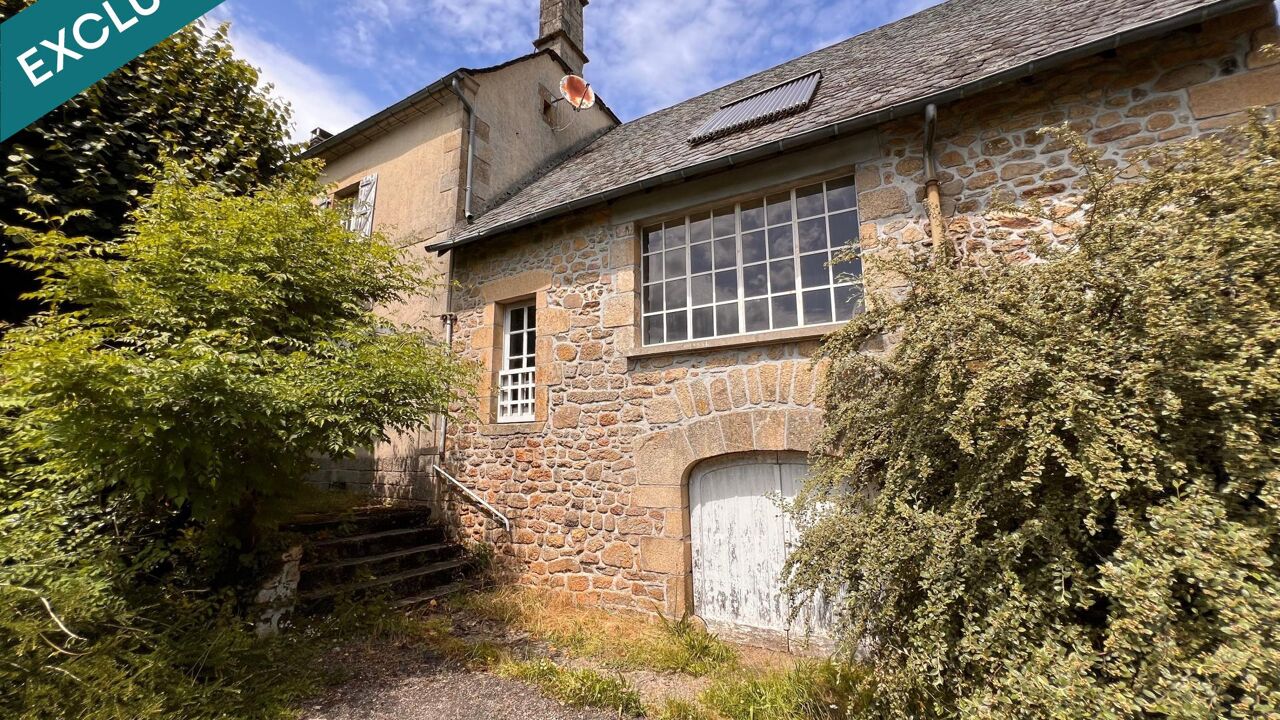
{"x": 337, "y": 63}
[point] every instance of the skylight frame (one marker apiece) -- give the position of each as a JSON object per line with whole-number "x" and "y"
{"x": 760, "y": 108}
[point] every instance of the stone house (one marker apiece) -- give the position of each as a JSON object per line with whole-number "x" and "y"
{"x": 645, "y": 302}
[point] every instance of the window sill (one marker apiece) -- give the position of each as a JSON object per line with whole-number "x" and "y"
{"x": 773, "y": 337}
{"x": 513, "y": 428}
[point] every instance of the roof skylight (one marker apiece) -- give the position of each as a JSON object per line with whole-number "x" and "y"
{"x": 766, "y": 106}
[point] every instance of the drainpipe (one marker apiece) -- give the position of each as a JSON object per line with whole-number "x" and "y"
{"x": 449, "y": 320}
{"x": 933, "y": 193}
{"x": 471, "y": 147}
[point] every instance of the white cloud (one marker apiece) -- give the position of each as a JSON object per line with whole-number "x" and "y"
{"x": 318, "y": 98}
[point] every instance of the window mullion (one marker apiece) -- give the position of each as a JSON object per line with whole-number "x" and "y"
{"x": 742, "y": 280}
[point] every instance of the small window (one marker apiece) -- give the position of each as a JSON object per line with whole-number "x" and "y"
{"x": 355, "y": 203}
{"x": 516, "y": 378}
{"x": 786, "y": 260}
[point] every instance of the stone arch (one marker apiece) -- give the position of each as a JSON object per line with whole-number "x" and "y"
{"x": 665, "y": 459}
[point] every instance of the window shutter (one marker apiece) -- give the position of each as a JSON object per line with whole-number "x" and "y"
{"x": 362, "y": 213}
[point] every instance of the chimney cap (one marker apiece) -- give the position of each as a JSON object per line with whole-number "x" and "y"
{"x": 319, "y": 135}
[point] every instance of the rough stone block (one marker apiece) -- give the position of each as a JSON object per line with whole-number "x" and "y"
{"x": 619, "y": 311}
{"x": 566, "y": 417}
{"x": 737, "y": 431}
{"x": 1236, "y": 92}
{"x": 619, "y": 555}
{"x": 675, "y": 524}
{"x": 667, "y": 496}
{"x": 553, "y": 321}
{"x": 803, "y": 429}
{"x": 882, "y": 203}
{"x": 663, "y": 458}
{"x": 665, "y": 555}
{"x": 663, "y": 410}
{"x": 705, "y": 438}
{"x": 1259, "y": 56}
{"x": 770, "y": 428}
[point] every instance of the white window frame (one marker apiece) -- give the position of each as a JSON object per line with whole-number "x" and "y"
{"x": 517, "y": 375}
{"x": 834, "y": 282}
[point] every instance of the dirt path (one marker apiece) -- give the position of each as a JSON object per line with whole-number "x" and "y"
{"x": 434, "y": 692}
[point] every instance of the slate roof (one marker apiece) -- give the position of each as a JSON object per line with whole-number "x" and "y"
{"x": 938, "y": 54}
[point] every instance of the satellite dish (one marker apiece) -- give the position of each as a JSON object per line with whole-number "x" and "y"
{"x": 577, "y": 92}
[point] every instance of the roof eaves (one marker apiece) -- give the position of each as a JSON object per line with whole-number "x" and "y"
{"x": 856, "y": 123}
{"x": 368, "y": 129}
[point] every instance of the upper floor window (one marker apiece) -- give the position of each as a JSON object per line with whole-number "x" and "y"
{"x": 516, "y": 378}
{"x": 355, "y": 203}
{"x": 763, "y": 264}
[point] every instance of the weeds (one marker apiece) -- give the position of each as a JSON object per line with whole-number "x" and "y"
{"x": 620, "y": 641}
{"x": 575, "y": 688}
{"x": 808, "y": 691}
{"x": 673, "y": 709}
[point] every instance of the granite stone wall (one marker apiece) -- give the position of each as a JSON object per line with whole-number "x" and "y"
{"x": 597, "y": 486}
{"x": 994, "y": 145}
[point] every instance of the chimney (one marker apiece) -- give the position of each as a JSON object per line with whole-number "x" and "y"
{"x": 560, "y": 29}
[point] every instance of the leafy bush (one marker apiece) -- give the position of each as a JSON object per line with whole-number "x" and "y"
{"x": 87, "y": 164}
{"x": 177, "y": 386}
{"x": 1057, "y": 493}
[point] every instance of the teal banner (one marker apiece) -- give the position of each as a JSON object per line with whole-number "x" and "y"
{"x": 56, "y": 48}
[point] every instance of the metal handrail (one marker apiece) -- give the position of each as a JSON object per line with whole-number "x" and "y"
{"x": 471, "y": 494}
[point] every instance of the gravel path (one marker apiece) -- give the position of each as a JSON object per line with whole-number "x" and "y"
{"x": 438, "y": 693}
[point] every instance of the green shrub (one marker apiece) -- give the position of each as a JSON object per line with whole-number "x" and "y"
{"x": 174, "y": 391}
{"x": 1057, "y": 493}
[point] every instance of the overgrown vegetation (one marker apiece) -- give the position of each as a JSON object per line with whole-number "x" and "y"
{"x": 621, "y": 641}
{"x": 172, "y": 393}
{"x": 1057, "y": 493}
{"x": 85, "y": 166}
{"x": 808, "y": 691}
{"x": 575, "y": 688}
{"x": 776, "y": 688}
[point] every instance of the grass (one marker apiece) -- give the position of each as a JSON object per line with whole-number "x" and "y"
{"x": 769, "y": 690}
{"x": 621, "y": 641}
{"x": 575, "y": 688}
{"x": 673, "y": 709}
{"x": 809, "y": 691}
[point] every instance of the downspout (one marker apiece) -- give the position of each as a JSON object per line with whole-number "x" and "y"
{"x": 933, "y": 193}
{"x": 471, "y": 147}
{"x": 449, "y": 320}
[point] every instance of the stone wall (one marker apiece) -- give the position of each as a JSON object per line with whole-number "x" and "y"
{"x": 1184, "y": 84}
{"x": 597, "y": 486}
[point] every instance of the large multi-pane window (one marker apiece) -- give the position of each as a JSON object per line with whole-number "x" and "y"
{"x": 763, "y": 264}
{"x": 516, "y": 378}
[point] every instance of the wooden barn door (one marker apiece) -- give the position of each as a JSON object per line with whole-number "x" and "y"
{"x": 740, "y": 539}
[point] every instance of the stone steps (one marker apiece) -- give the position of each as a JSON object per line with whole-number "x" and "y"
{"x": 394, "y": 553}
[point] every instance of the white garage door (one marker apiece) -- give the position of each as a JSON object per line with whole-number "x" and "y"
{"x": 740, "y": 540}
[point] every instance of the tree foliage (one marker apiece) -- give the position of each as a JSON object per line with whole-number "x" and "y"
{"x": 1056, "y": 493}
{"x": 179, "y": 381}
{"x": 87, "y": 163}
